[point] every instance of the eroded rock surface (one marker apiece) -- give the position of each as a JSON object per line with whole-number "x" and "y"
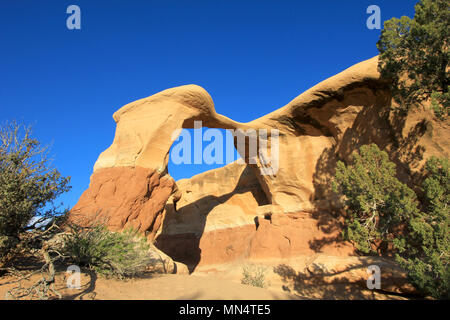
{"x": 124, "y": 197}
{"x": 223, "y": 215}
{"x": 235, "y": 212}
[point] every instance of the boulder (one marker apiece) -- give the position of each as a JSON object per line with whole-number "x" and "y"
{"x": 162, "y": 263}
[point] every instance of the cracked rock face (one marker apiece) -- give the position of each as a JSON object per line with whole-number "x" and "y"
{"x": 235, "y": 212}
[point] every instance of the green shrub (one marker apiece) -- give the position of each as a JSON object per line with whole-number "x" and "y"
{"x": 254, "y": 275}
{"x": 382, "y": 210}
{"x": 116, "y": 254}
{"x": 440, "y": 103}
{"x": 424, "y": 250}
{"x": 376, "y": 200}
{"x": 28, "y": 184}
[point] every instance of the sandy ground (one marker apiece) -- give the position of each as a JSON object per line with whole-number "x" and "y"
{"x": 157, "y": 287}
{"x": 199, "y": 286}
{"x": 342, "y": 290}
{"x": 215, "y": 282}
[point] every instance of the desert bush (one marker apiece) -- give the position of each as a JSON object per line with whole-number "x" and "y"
{"x": 254, "y": 275}
{"x": 382, "y": 210}
{"x": 424, "y": 250}
{"x": 115, "y": 254}
{"x": 376, "y": 200}
{"x": 28, "y": 184}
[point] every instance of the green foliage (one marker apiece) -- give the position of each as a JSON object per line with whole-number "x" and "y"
{"x": 377, "y": 201}
{"x": 382, "y": 210}
{"x": 116, "y": 254}
{"x": 254, "y": 275}
{"x": 425, "y": 249}
{"x": 414, "y": 54}
{"x": 440, "y": 103}
{"x": 28, "y": 182}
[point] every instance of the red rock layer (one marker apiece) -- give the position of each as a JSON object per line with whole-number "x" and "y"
{"x": 281, "y": 236}
{"x": 124, "y": 197}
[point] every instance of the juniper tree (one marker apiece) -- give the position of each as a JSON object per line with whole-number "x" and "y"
{"x": 376, "y": 200}
{"x": 385, "y": 213}
{"x": 414, "y": 54}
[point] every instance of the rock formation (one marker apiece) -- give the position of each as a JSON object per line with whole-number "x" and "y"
{"x": 224, "y": 215}
{"x": 124, "y": 197}
{"x": 235, "y": 212}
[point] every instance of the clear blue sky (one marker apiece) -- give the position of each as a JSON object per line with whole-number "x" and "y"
{"x": 251, "y": 56}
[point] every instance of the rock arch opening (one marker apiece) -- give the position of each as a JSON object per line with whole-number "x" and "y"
{"x": 216, "y": 193}
{"x": 197, "y": 150}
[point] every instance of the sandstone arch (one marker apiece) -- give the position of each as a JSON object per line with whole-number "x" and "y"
{"x": 130, "y": 185}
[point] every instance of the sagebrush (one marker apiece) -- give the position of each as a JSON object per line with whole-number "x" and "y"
{"x": 116, "y": 254}
{"x": 254, "y": 275}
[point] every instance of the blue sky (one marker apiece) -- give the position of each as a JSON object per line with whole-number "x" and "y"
{"x": 251, "y": 56}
